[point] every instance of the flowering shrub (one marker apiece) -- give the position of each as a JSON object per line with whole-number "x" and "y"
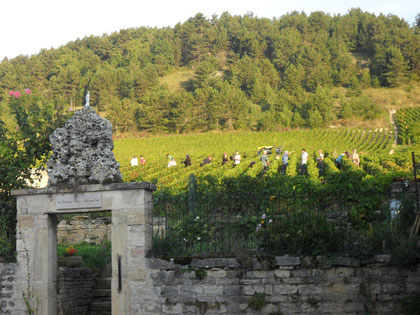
{"x": 264, "y": 221}
{"x": 70, "y": 251}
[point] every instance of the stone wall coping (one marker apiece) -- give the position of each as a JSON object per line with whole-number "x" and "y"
{"x": 84, "y": 188}
{"x": 279, "y": 262}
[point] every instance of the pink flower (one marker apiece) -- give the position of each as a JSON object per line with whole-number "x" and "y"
{"x": 11, "y": 93}
{"x": 27, "y": 91}
{"x": 17, "y": 94}
{"x": 17, "y": 128}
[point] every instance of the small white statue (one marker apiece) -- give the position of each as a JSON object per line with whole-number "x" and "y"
{"x": 87, "y": 99}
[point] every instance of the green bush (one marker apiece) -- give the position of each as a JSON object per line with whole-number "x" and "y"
{"x": 95, "y": 257}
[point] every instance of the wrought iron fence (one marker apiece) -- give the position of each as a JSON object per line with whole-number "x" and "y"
{"x": 216, "y": 223}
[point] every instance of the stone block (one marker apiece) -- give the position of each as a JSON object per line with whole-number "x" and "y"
{"x": 213, "y": 289}
{"x": 345, "y": 288}
{"x": 287, "y": 261}
{"x": 307, "y": 289}
{"x": 382, "y": 258}
{"x": 171, "y": 309}
{"x": 354, "y": 307}
{"x": 215, "y": 263}
{"x": 391, "y": 287}
{"x": 268, "y": 289}
{"x": 218, "y": 273}
{"x": 344, "y": 272}
{"x": 25, "y": 222}
{"x": 346, "y": 261}
{"x": 259, "y": 289}
{"x": 285, "y": 289}
{"x": 301, "y": 273}
{"x": 232, "y": 289}
{"x": 153, "y": 263}
{"x": 258, "y": 274}
{"x": 282, "y": 273}
{"x": 170, "y": 291}
{"x": 249, "y": 290}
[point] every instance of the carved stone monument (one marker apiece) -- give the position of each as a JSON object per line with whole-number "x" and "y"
{"x": 82, "y": 151}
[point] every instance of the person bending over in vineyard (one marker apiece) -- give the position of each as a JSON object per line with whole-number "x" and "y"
{"x": 304, "y": 165}
{"x": 187, "y": 161}
{"x": 339, "y": 160}
{"x": 285, "y": 159}
{"x": 225, "y": 158}
{"x": 265, "y": 161}
{"x": 134, "y": 161}
{"x": 320, "y": 163}
{"x": 142, "y": 160}
{"x": 236, "y": 159}
{"x": 206, "y": 161}
{"x": 355, "y": 158}
{"x": 172, "y": 162}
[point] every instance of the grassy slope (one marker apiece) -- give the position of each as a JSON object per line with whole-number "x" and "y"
{"x": 177, "y": 79}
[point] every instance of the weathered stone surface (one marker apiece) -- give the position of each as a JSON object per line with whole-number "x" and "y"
{"x": 346, "y": 261}
{"x": 215, "y": 263}
{"x": 7, "y": 276}
{"x": 82, "y": 151}
{"x": 75, "y": 290}
{"x": 382, "y": 258}
{"x": 309, "y": 290}
{"x": 287, "y": 261}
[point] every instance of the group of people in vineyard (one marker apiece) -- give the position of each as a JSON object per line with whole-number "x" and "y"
{"x": 264, "y": 159}
{"x": 135, "y": 161}
{"x": 319, "y": 160}
{"x": 207, "y": 160}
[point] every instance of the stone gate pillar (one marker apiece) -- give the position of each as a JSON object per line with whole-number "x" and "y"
{"x": 36, "y": 246}
{"x": 36, "y": 275}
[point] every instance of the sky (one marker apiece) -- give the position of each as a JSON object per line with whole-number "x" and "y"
{"x": 27, "y": 26}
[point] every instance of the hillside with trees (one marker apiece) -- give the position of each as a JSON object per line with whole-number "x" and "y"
{"x": 243, "y": 72}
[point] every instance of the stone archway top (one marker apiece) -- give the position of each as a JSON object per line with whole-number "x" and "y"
{"x": 84, "y": 188}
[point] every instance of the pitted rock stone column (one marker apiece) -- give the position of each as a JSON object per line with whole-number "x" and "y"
{"x": 82, "y": 151}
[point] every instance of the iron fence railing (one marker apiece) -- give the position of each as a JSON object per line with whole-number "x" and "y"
{"x": 216, "y": 223}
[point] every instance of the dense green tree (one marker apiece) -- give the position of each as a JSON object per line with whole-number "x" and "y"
{"x": 271, "y": 67}
{"x": 396, "y": 67}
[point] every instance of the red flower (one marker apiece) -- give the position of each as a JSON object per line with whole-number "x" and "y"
{"x": 11, "y": 93}
{"x": 27, "y": 91}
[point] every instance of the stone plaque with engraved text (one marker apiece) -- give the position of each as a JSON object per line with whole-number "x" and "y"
{"x": 78, "y": 201}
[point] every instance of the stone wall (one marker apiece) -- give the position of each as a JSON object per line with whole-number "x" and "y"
{"x": 82, "y": 229}
{"x": 286, "y": 285}
{"x": 7, "y": 276}
{"x": 75, "y": 290}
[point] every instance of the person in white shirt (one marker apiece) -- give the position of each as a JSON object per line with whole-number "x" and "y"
{"x": 236, "y": 159}
{"x": 355, "y": 158}
{"x": 134, "y": 161}
{"x": 320, "y": 163}
{"x": 172, "y": 162}
{"x": 304, "y": 166}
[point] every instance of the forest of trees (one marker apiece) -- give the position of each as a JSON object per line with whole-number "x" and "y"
{"x": 249, "y": 72}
